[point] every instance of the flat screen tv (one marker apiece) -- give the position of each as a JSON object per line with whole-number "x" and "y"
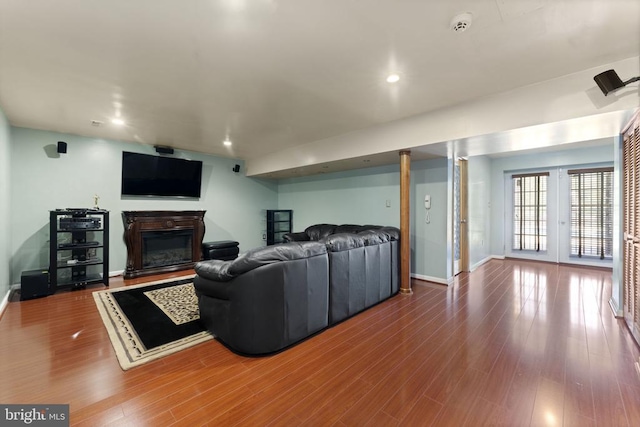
{"x": 145, "y": 175}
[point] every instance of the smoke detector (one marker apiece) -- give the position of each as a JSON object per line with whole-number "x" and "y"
{"x": 461, "y": 23}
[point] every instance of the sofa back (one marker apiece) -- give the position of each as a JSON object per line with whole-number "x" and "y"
{"x": 359, "y": 272}
{"x": 224, "y": 271}
{"x": 269, "y": 300}
{"x": 319, "y": 231}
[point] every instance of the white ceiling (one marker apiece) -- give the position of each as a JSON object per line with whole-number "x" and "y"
{"x": 276, "y": 74}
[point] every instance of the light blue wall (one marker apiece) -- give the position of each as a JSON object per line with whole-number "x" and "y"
{"x": 431, "y": 242}
{"x": 479, "y": 209}
{"x": 352, "y": 197}
{"x": 360, "y": 197}
{"x": 574, "y": 157}
{"x": 5, "y": 203}
{"x": 43, "y": 180}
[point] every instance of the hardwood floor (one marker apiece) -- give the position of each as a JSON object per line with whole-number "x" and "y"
{"x": 514, "y": 343}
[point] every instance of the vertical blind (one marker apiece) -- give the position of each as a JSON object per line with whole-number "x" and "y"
{"x": 592, "y": 212}
{"x": 530, "y": 211}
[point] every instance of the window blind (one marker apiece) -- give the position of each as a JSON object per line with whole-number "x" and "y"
{"x": 592, "y": 212}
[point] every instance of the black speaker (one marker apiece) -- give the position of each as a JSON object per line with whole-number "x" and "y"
{"x": 34, "y": 284}
{"x": 236, "y": 168}
{"x": 608, "y": 81}
{"x": 62, "y": 147}
{"x": 163, "y": 150}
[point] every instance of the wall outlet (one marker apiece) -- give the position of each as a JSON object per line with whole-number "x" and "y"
{"x": 388, "y": 203}
{"x": 264, "y": 237}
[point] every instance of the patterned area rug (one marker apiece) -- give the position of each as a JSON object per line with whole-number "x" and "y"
{"x": 178, "y": 302}
{"x": 152, "y": 320}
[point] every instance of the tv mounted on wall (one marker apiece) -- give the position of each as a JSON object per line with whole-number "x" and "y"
{"x": 146, "y": 175}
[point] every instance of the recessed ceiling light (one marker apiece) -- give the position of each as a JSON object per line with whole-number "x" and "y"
{"x": 227, "y": 142}
{"x": 118, "y": 122}
{"x": 392, "y": 78}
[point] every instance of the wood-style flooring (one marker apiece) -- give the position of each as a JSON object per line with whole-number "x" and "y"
{"x": 513, "y": 343}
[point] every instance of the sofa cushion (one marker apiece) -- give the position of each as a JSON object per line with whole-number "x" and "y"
{"x": 392, "y": 232}
{"x": 296, "y": 237}
{"x": 224, "y": 271}
{"x": 373, "y": 237}
{"x": 319, "y": 231}
{"x": 348, "y": 228}
{"x": 343, "y": 242}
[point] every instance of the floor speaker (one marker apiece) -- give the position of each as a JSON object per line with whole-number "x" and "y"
{"x": 34, "y": 284}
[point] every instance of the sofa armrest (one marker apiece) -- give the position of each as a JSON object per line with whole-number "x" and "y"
{"x": 296, "y": 237}
{"x": 214, "y": 269}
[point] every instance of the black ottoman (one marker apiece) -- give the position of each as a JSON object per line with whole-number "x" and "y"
{"x": 225, "y": 250}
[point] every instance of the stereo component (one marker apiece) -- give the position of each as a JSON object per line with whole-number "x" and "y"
{"x": 79, "y": 223}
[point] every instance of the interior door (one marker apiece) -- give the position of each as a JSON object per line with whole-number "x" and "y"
{"x": 460, "y": 228}
{"x": 631, "y": 225}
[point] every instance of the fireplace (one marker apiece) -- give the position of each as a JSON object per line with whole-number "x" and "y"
{"x": 162, "y": 248}
{"x": 162, "y": 241}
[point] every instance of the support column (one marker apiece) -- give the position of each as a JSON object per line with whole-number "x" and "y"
{"x": 405, "y": 242}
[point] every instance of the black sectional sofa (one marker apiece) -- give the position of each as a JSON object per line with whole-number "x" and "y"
{"x": 272, "y": 297}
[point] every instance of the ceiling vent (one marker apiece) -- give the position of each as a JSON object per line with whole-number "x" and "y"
{"x": 461, "y": 23}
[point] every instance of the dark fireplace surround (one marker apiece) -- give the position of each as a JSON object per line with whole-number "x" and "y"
{"x": 162, "y": 241}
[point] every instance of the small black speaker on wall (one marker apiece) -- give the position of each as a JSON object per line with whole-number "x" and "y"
{"x": 163, "y": 149}
{"x": 236, "y": 168}
{"x": 62, "y": 147}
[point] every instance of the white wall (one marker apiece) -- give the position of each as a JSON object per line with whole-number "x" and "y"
{"x": 479, "y": 215}
{"x": 580, "y": 156}
{"x": 5, "y": 203}
{"x": 43, "y": 180}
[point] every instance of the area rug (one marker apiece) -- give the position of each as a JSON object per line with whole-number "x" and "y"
{"x": 152, "y": 320}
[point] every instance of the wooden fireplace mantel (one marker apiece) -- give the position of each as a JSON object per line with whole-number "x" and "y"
{"x": 138, "y": 222}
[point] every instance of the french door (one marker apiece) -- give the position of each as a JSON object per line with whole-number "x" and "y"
{"x": 631, "y": 225}
{"x": 531, "y": 227}
{"x": 561, "y": 214}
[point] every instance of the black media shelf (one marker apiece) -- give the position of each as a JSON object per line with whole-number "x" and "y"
{"x": 77, "y": 240}
{"x": 64, "y": 264}
{"x": 89, "y": 279}
{"x": 279, "y": 223}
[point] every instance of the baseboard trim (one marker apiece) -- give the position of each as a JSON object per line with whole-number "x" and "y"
{"x": 116, "y": 273}
{"x": 479, "y": 263}
{"x": 431, "y": 279}
{"x": 617, "y": 312}
{"x": 5, "y": 302}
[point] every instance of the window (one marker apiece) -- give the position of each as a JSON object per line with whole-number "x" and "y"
{"x": 592, "y": 212}
{"x": 530, "y": 212}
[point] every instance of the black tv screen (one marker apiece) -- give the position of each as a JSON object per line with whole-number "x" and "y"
{"x": 145, "y": 175}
